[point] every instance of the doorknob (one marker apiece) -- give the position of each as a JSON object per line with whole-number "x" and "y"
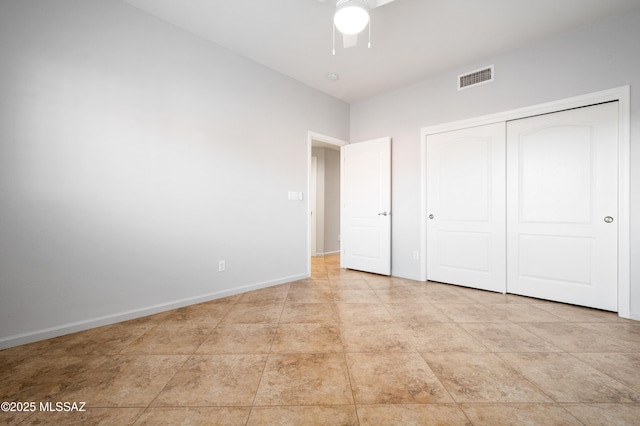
{"x": 430, "y": 216}
{"x": 383, "y": 213}
{"x": 608, "y": 219}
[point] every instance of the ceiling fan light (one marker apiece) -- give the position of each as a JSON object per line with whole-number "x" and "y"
{"x": 351, "y": 16}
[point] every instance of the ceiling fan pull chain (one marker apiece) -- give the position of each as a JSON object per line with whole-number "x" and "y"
{"x": 334, "y": 40}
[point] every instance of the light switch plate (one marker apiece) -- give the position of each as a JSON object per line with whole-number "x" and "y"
{"x": 295, "y": 196}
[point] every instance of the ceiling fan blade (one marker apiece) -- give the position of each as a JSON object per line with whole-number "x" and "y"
{"x": 349, "y": 40}
{"x": 377, "y": 3}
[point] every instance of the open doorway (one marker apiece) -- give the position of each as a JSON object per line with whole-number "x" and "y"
{"x": 324, "y": 195}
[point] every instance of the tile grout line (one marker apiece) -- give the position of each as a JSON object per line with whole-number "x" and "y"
{"x": 268, "y": 356}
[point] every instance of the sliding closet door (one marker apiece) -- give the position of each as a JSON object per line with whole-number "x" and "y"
{"x": 562, "y": 206}
{"x": 466, "y": 207}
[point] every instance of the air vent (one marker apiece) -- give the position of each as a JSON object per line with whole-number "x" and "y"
{"x": 473, "y": 78}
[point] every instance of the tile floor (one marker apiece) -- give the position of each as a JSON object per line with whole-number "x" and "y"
{"x": 341, "y": 348}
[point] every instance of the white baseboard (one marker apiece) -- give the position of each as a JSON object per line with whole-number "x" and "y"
{"x": 634, "y": 315}
{"x": 61, "y": 330}
{"x": 329, "y": 252}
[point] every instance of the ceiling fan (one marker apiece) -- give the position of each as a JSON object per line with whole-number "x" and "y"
{"x": 351, "y": 18}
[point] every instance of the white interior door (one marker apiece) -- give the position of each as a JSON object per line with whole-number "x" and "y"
{"x": 466, "y": 207}
{"x": 366, "y": 206}
{"x": 562, "y": 206}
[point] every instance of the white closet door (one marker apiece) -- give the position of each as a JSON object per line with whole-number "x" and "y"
{"x": 562, "y": 206}
{"x": 466, "y": 207}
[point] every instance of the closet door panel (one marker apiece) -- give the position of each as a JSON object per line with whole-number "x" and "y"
{"x": 466, "y": 207}
{"x": 562, "y": 206}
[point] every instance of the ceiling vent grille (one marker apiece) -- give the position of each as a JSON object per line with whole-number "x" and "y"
{"x": 473, "y": 78}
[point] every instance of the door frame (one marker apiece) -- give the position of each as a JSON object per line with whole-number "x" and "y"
{"x": 620, "y": 94}
{"x": 328, "y": 140}
{"x": 313, "y": 207}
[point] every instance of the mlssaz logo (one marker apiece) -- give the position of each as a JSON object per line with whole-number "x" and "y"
{"x": 62, "y": 406}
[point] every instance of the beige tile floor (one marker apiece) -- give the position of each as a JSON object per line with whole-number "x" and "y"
{"x": 341, "y": 348}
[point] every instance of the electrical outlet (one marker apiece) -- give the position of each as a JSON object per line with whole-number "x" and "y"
{"x": 416, "y": 255}
{"x": 221, "y": 266}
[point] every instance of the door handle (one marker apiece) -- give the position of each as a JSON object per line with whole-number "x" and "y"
{"x": 430, "y": 216}
{"x": 608, "y": 219}
{"x": 384, "y": 213}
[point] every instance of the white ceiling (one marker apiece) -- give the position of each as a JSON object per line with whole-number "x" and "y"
{"x": 411, "y": 39}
